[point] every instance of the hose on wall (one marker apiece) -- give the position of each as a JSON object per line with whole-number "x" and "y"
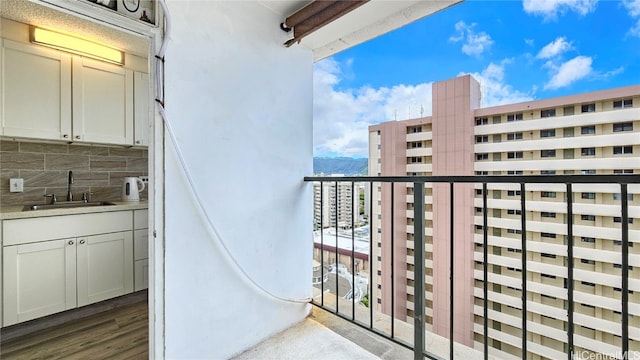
{"x": 159, "y": 100}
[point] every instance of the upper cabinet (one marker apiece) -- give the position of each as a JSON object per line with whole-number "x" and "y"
{"x": 102, "y": 102}
{"x": 141, "y": 108}
{"x": 36, "y": 92}
{"x": 51, "y": 95}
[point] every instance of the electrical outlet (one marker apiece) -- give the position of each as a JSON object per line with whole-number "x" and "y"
{"x": 144, "y": 178}
{"x": 16, "y": 185}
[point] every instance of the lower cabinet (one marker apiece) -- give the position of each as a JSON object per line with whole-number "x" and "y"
{"x": 43, "y": 277}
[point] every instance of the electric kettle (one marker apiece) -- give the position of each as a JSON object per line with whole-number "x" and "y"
{"x": 131, "y": 189}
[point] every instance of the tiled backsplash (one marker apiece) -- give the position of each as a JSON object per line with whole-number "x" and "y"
{"x": 44, "y": 168}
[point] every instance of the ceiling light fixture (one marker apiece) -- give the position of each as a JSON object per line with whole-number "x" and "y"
{"x": 75, "y": 45}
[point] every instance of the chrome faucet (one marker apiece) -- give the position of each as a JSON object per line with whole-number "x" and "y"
{"x": 69, "y": 194}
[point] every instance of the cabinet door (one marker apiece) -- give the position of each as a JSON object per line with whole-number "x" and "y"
{"x": 141, "y": 108}
{"x": 141, "y": 272}
{"x": 102, "y": 102}
{"x": 105, "y": 266}
{"x": 39, "y": 279}
{"x": 36, "y": 92}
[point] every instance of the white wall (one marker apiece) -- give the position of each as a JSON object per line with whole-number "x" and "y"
{"x": 241, "y": 106}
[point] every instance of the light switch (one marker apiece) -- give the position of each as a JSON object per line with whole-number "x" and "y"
{"x": 16, "y": 185}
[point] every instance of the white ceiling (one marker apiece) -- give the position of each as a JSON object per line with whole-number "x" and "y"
{"x": 366, "y": 22}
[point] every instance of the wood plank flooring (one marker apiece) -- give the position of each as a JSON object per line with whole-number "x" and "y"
{"x": 120, "y": 333}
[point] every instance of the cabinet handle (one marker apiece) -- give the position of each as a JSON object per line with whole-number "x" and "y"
{"x": 81, "y": 242}
{"x": 70, "y": 242}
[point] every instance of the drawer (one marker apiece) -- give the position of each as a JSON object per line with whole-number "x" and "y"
{"x": 140, "y": 219}
{"x": 23, "y": 231}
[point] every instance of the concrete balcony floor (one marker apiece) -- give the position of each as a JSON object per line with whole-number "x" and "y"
{"x": 326, "y": 336}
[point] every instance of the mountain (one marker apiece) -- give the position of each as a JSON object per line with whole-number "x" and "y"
{"x": 340, "y": 165}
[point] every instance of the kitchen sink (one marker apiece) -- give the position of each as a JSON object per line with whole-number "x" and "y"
{"x": 65, "y": 205}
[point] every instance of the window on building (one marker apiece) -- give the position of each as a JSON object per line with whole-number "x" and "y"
{"x": 588, "y": 217}
{"x": 618, "y": 150}
{"x": 514, "y": 231}
{"x": 588, "y": 172}
{"x": 514, "y": 212}
{"x": 478, "y": 191}
{"x": 618, "y": 219}
{"x": 482, "y": 121}
{"x": 625, "y": 126}
{"x": 588, "y": 151}
{"x": 567, "y": 132}
{"x": 618, "y": 196}
{"x": 546, "y": 214}
{"x": 547, "y": 133}
{"x": 588, "y": 195}
{"x": 588, "y": 107}
{"x": 482, "y": 156}
{"x": 497, "y": 156}
{"x": 497, "y": 119}
{"x": 586, "y": 283}
{"x": 547, "y": 255}
{"x": 548, "y": 235}
{"x": 514, "y": 155}
{"x": 619, "y": 243}
{"x": 482, "y": 139}
{"x": 415, "y": 159}
{"x": 626, "y": 103}
{"x": 514, "y": 136}
{"x": 548, "y": 113}
{"x": 549, "y": 276}
{"x": 497, "y": 138}
{"x": 514, "y": 117}
{"x": 619, "y": 266}
{"x": 590, "y": 240}
{"x": 588, "y": 130}
{"x": 587, "y": 261}
{"x": 568, "y": 110}
{"x": 416, "y": 144}
{"x": 480, "y": 173}
{"x": 514, "y": 172}
{"x": 547, "y": 172}
{"x": 623, "y": 171}
{"x": 414, "y": 129}
{"x": 513, "y": 193}
{"x": 548, "y": 153}
{"x": 548, "y": 194}
{"x": 568, "y": 153}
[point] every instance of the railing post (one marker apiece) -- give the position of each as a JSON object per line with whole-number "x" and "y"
{"x": 624, "y": 204}
{"x": 418, "y": 256}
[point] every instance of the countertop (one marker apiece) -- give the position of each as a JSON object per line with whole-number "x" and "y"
{"x": 15, "y": 212}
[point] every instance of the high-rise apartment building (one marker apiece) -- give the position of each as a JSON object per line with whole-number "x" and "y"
{"x": 336, "y": 204}
{"x": 592, "y": 133}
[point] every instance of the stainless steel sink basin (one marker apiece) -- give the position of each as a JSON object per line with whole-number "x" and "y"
{"x": 65, "y": 205}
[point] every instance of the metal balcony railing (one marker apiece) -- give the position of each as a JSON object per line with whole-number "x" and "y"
{"x": 622, "y": 182}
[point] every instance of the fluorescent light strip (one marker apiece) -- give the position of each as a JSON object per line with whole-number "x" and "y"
{"x": 76, "y": 45}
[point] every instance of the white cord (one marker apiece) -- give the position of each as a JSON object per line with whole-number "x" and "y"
{"x": 185, "y": 170}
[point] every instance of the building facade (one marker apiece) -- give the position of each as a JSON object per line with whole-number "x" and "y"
{"x": 593, "y": 133}
{"x": 337, "y": 204}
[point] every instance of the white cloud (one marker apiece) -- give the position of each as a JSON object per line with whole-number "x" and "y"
{"x": 570, "y": 72}
{"x": 554, "y": 48}
{"x": 494, "y": 89}
{"x": 633, "y": 7}
{"x": 550, "y": 9}
{"x": 475, "y": 43}
{"x": 530, "y": 42}
{"x": 342, "y": 117}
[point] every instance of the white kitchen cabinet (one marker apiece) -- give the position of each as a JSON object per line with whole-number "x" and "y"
{"x": 52, "y": 95}
{"x": 104, "y": 267}
{"x": 141, "y": 249}
{"x": 102, "y": 102}
{"x": 39, "y": 279}
{"x": 36, "y": 92}
{"x": 55, "y": 263}
{"x": 141, "y": 108}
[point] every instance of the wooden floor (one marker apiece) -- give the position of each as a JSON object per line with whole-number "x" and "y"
{"x": 120, "y": 333}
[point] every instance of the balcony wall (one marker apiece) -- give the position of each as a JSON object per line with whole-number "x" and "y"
{"x": 232, "y": 83}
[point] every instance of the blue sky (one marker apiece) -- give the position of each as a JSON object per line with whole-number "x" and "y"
{"x": 517, "y": 50}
